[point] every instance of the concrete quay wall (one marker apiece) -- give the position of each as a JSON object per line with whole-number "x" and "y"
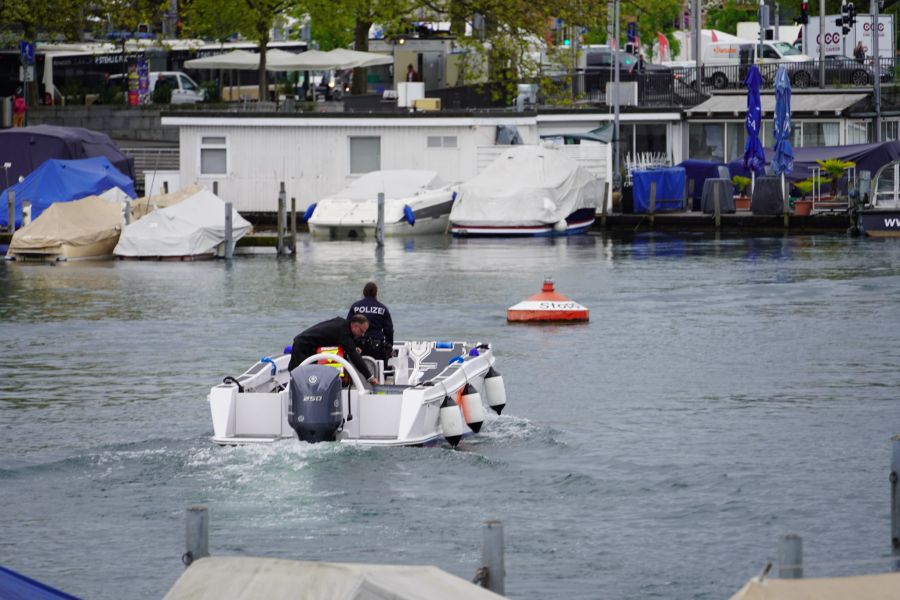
{"x": 139, "y": 124}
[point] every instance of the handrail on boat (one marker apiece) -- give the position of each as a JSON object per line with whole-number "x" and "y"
{"x": 351, "y": 370}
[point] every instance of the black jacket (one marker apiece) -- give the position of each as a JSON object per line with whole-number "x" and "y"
{"x": 333, "y": 332}
{"x": 380, "y": 324}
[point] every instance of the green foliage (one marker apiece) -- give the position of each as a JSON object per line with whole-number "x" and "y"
{"x": 162, "y": 93}
{"x": 731, "y": 12}
{"x": 741, "y": 183}
{"x": 833, "y": 171}
{"x": 805, "y": 186}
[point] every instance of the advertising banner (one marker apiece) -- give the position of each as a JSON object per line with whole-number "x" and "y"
{"x": 837, "y": 44}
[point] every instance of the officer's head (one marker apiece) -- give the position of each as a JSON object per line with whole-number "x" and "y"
{"x": 359, "y": 325}
{"x": 370, "y": 290}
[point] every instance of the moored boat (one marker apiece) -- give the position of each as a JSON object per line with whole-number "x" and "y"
{"x": 415, "y": 202}
{"x": 528, "y": 191}
{"x": 428, "y": 392}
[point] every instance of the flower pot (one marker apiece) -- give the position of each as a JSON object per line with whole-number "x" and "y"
{"x": 742, "y": 202}
{"x": 802, "y": 208}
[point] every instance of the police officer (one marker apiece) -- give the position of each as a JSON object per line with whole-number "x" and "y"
{"x": 378, "y": 341}
{"x": 333, "y": 332}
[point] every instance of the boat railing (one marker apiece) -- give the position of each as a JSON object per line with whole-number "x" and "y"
{"x": 351, "y": 370}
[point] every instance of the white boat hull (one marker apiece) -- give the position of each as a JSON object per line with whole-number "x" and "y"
{"x": 254, "y": 407}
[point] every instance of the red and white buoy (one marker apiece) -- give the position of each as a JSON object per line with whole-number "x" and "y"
{"x": 547, "y": 306}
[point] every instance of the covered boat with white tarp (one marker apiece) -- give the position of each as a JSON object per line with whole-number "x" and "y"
{"x": 415, "y": 202}
{"x": 528, "y": 191}
{"x": 193, "y": 229}
{"x": 244, "y": 578}
{"x": 859, "y": 587}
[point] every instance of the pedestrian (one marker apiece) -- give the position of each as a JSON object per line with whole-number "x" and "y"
{"x": 333, "y": 332}
{"x": 19, "y": 109}
{"x": 378, "y": 342}
{"x": 859, "y": 53}
{"x": 411, "y": 74}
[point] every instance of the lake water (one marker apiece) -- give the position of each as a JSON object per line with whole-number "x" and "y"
{"x": 725, "y": 393}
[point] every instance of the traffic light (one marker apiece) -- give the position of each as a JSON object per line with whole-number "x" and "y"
{"x": 803, "y": 19}
{"x": 844, "y": 21}
{"x": 851, "y": 13}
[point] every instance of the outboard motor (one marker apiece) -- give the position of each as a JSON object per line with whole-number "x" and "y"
{"x": 315, "y": 412}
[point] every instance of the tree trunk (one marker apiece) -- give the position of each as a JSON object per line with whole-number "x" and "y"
{"x": 361, "y": 43}
{"x": 263, "y": 83}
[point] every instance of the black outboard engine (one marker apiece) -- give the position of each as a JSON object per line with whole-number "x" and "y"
{"x": 315, "y": 412}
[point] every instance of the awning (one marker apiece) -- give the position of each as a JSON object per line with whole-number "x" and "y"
{"x": 735, "y": 105}
{"x": 279, "y": 60}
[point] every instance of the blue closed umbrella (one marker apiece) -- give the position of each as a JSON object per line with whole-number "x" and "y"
{"x": 754, "y": 156}
{"x": 783, "y": 160}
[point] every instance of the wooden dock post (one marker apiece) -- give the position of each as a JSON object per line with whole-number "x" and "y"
{"x": 717, "y": 205}
{"x": 652, "y": 202}
{"x": 165, "y": 187}
{"x": 895, "y": 495}
{"x": 216, "y": 188}
{"x": 280, "y": 225}
{"x": 603, "y": 209}
{"x": 11, "y": 211}
{"x": 126, "y": 211}
{"x": 26, "y": 212}
{"x": 229, "y": 234}
{"x": 379, "y": 223}
{"x": 492, "y": 556}
{"x": 197, "y": 534}
{"x": 790, "y": 557}
{"x": 293, "y": 225}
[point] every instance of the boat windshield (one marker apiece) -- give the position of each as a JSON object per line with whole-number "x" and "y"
{"x": 887, "y": 187}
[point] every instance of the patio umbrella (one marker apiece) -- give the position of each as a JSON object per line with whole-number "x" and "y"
{"x": 783, "y": 159}
{"x": 754, "y": 155}
{"x": 356, "y": 58}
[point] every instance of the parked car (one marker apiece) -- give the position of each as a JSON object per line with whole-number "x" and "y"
{"x": 184, "y": 90}
{"x": 598, "y": 71}
{"x": 726, "y": 63}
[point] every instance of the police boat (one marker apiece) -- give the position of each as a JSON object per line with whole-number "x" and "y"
{"x": 428, "y": 392}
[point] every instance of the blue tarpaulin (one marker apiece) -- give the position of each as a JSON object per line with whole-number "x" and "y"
{"x": 15, "y": 586}
{"x": 669, "y": 189}
{"x": 63, "y": 181}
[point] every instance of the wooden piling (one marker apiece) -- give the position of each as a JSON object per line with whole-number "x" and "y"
{"x": 293, "y": 225}
{"x": 895, "y": 495}
{"x": 280, "y": 225}
{"x": 717, "y": 206}
{"x": 492, "y": 555}
{"x": 11, "y": 211}
{"x": 216, "y": 188}
{"x": 379, "y": 224}
{"x": 165, "y": 187}
{"x": 790, "y": 557}
{"x": 229, "y": 235}
{"x": 652, "y": 202}
{"x": 196, "y": 534}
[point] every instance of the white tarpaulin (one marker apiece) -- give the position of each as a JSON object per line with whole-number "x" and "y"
{"x": 245, "y": 578}
{"x": 861, "y": 587}
{"x": 192, "y": 227}
{"x": 526, "y": 186}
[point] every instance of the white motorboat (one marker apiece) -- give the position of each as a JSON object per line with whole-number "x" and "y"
{"x": 428, "y": 392}
{"x": 528, "y": 191}
{"x": 415, "y": 202}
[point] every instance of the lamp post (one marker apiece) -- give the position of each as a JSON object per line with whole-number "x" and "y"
{"x": 6, "y": 167}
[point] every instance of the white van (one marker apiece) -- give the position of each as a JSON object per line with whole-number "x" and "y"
{"x": 729, "y": 56}
{"x": 184, "y": 89}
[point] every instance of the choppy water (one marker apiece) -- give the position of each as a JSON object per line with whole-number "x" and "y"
{"x": 725, "y": 393}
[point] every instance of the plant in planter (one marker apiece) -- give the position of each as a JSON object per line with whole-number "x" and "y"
{"x": 803, "y": 207}
{"x": 833, "y": 171}
{"x": 741, "y": 201}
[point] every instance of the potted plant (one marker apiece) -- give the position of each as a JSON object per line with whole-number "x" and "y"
{"x": 833, "y": 171}
{"x": 741, "y": 201}
{"x": 803, "y": 207}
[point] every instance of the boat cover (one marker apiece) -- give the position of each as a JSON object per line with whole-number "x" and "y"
{"x": 247, "y": 578}
{"x": 27, "y": 148}
{"x": 192, "y": 227}
{"x": 145, "y": 205}
{"x": 526, "y": 186}
{"x": 400, "y": 184}
{"x": 15, "y": 586}
{"x": 698, "y": 171}
{"x": 861, "y": 587}
{"x": 64, "y": 181}
{"x": 868, "y": 157}
{"x": 77, "y": 223}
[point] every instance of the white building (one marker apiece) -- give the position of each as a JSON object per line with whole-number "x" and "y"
{"x": 315, "y": 155}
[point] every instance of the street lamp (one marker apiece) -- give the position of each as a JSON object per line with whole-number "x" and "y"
{"x": 6, "y": 167}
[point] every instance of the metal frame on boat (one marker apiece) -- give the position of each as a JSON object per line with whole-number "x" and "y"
{"x": 428, "y": 391}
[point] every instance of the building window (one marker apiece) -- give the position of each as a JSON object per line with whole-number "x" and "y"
{"x": 441, "y": 141}
{"x": 213, "y": 156}
{"x": 706, "y": 141}
{"x": 651, "y": 138}
{"x": 859, "y": 132}
{"x": 821, "y": 134}
{"x": 890, "y": 131}
{"x": 365, "y": 155}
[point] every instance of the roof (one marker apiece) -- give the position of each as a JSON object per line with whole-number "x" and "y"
{"x": 818, "y": 104}
{"x": 239, "y": 578}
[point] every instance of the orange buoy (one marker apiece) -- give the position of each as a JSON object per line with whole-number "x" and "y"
{"x": 547, "y": 306}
